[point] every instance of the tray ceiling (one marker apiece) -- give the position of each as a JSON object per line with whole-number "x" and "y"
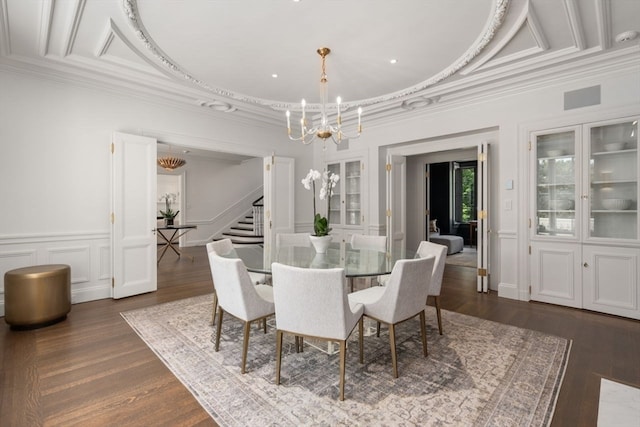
{"x": 223, "y": 55}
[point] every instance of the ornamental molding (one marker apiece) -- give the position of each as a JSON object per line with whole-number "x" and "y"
{"x": 130, "y": 8}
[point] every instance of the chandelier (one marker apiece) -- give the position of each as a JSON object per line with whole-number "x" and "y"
{"x": 170, "y": 163}
{"x": 324, "y": 130}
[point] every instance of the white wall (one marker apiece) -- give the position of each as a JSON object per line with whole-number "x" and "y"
{"x": 217, "y": 192}
{"x": 55, "y": 139}
{"x": 508, "y": 112}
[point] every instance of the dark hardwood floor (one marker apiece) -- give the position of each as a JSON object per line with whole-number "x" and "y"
{"x": 92, "y": 369}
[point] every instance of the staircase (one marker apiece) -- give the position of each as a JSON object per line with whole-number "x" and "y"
{"x": 247, "y": 231}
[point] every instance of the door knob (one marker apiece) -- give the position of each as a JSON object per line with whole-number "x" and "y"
{"x": 585, "y": 264}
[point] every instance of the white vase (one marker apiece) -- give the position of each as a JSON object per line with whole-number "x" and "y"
{"x": 319, "y": 261}
{"x": 320, "y": 243}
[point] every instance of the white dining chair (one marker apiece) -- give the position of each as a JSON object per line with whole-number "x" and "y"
{"x": 239, "y": 297}
{"x": 313, "y": 303}
{"x": 223, "y": 247}
{"x": 298, "y": 240}
{"x": 401, "y": 299}
{"x": 427, "y": 249}
{"x": 372, "y": 243}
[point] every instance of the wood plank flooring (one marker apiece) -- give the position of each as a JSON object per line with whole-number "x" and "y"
{"x": 92, "y": 369}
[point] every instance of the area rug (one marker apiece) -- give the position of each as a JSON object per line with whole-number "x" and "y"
{"x": 478, "y": 373}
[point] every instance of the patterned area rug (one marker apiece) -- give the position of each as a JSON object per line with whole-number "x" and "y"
{"x": 478, "y": 373}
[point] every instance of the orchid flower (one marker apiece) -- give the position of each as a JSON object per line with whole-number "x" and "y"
{"x": 329, "y": 180}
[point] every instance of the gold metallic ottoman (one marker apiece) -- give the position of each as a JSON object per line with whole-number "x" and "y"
{"x": 37, "y": 296}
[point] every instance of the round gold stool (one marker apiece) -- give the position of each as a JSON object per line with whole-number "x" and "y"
{"x": 37, "y": 296}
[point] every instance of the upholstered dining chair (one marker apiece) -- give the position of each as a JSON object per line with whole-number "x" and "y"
{"x": 223, "y": 247}
{"x": 401, "y": 299}
{"x": 370, "y": 242}
{"x": 427, "y": 249}
{"x": 313, "y": 303}
{"x": 239, "y": 297}
{"x": 293, "y": 240}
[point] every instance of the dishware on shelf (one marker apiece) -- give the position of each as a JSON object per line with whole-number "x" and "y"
{"x": 614, "y": 146}
{"x": 555, "y": 153}
{"x": 616, "y": 204}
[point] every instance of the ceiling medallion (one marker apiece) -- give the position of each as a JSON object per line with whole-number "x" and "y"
{"x": 170, "y": 163}
{"x": 324, "y": 130}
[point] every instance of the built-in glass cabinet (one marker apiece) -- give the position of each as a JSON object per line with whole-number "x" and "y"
{"x": 584, "y": 245}
{"x": 589, "y": 187}
{"x": 613, "y": 180}
{"x": 346, "y": 202}
{"x": 348, "y": 199}
{"x": 556, "y": 175}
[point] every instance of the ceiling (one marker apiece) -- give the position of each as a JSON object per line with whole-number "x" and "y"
{"x": 222, "y": 55}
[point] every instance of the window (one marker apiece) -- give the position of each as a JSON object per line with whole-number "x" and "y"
{"x": 464, "y": 182}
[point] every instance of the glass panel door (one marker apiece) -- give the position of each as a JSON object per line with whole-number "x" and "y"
{"x": 613, "y": 180}
{"x": 334, "y": 214}
{"x": 352, "y": 188}
{"x": 556, "y": 184}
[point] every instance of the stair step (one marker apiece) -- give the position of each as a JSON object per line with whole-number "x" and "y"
{"x": 244, "y": 239}
{"x": 247, "y": 243}
{"x": 239, "y": 232}
{"x": 243, "y": 227}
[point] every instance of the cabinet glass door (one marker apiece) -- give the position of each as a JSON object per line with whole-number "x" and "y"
{"x": 336, "y": 197}
{"x": 352, "y": 188}
{"x": 613, "y": 180}
{"x": 555, "y": 210}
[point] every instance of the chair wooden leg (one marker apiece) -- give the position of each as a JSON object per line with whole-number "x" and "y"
{"x": 278, "y": 354}
{"x": 392, "y": 343}
{"x": 215, "y": 308}
{"x": 437, "y": 301}
{"x": 264, "y": 325}
{"x": 297, "y": 344}
{"x": 219, "y": 328}
{"x": 378, "y": 330}
{"x": 245, "y": 345}
{"x": 361, "y": 338}
{"x": 423, "y": 332}
{"x": 343, "y": 358}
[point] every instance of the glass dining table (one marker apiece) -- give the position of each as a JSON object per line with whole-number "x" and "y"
{"x": 357, "y": 262}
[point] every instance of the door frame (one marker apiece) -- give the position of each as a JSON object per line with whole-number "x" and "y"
{"x": 451, "y": 143}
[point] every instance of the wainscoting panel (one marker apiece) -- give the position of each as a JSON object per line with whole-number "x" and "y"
{"x": 88, "y": 255}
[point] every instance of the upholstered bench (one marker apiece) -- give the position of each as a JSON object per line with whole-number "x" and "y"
{"x": 37, "y": 296}
{"x": 454, "y": 244}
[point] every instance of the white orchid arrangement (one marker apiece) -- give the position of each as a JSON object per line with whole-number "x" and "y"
{"x": 168, "y": 199}
{"x": 329, "y": 181}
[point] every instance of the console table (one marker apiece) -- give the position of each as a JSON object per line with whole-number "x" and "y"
{"x": 171, "y": 234}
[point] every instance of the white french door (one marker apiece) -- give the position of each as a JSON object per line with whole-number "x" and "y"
{"x": 133, "y": 216}
{"x": 396, "y": 203}
{"x": 279, "y": 198}
{"x": 482, "y": 203}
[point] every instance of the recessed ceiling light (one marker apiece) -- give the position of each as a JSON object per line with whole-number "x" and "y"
{"x": 274, "y": 75}
{"x": 393, "y": 61}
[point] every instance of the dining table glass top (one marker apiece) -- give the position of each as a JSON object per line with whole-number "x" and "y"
{"x": 357, "y": 262}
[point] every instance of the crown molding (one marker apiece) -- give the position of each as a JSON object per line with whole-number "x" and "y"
{"x": 130, "y": 9}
